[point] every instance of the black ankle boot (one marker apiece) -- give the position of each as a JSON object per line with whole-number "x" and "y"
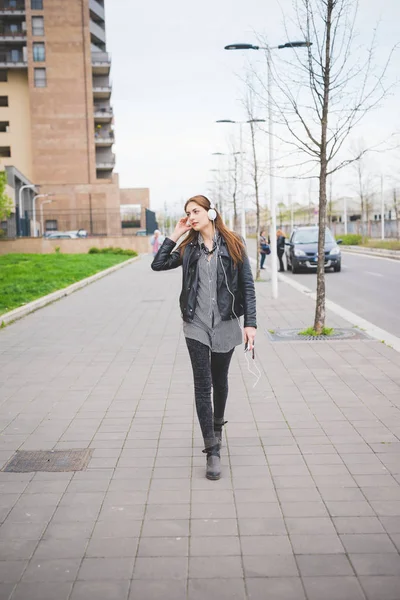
{"x": 218, "y": 431}
{"x": 213, "y": 469}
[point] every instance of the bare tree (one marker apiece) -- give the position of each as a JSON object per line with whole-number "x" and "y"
{"x": 364, "y": 181}
{"x": 234, "y": 187}
{"x": 396, "y": 208}
{"x": 328, "y": 90}
{"x": 255, "y": 169}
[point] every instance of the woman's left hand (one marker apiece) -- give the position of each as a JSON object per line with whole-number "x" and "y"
{"x": 249, "y": 335}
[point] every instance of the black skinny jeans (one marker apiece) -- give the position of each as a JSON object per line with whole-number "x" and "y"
{"x": 281, "y": 265}
{"x": 209, "y": 368}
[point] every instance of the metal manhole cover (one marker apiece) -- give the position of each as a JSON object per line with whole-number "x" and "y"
{"x": 292, "y": 335}
{"x": 28, "y": 461}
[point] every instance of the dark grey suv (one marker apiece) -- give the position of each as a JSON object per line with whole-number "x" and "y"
{"x": 302, "y": 250}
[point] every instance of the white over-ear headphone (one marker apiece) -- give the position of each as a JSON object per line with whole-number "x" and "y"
{"x": 212, "y": 213}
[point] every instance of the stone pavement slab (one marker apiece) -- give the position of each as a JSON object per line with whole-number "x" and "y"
{"x": 308, "y": 506}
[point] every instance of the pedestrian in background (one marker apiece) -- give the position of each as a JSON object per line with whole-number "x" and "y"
{"x": 280, "y": 246}
{"x": 217, "y": 289}
{"x": 156, "y": 240}
{"x": 264, "y": 248}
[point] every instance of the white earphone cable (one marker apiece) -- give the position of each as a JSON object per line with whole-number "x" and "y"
{"x": 258, "y": 374}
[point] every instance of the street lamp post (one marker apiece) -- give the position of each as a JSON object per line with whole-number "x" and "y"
{"x": 242, "y": 196}
{"x": 34, "y": 210}
{"x": 20, "y": 197}
{"x": 41, "y": 214}
{"x": 302, "y": 44}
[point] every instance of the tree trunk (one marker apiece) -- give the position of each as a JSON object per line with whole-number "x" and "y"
{"x": 396, "y": 213}
{"x": 236, "y": 221}
{"x": 319, "y": 321}
{"x": 256, "y": 191}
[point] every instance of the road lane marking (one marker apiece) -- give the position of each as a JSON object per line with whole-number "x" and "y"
{"x": 372, "y": 330}
{"x": 357, "y": 254}
{"x": 374, "y": 274}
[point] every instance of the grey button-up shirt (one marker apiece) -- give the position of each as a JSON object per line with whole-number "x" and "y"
{"x": 207, "y": 326}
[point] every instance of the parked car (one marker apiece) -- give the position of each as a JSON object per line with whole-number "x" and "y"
{"x": 302, "y": 250}
{"x": 141, "y": 232}
{"x": 62, "y": 235}
{"x": 80, "y": 233}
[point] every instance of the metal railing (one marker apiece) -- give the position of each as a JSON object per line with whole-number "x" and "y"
{"x": 11, "y": 5}
{"x": 6, "y": 57}
{"x": 6, "y": 31}
{"x": 101, "y": 57}
{"x": 101, "y": 88}
{"x": 102, "y": 110}
{"x": 105, "y": 163}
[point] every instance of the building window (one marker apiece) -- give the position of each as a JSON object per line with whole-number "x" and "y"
{"x": 37, "y": 4}
{"x": 5, "y": 151}
{"x": 40, "y": 79}
{"x": 4, "y": 126}
{"x": 51, "y": 225}
{"x": 3, "y": 75}
{"x": 3, "y": 100}
{"x": 37, "y": 26}
{"x": 15, "y": 55}
{"x": 39, "y": 52}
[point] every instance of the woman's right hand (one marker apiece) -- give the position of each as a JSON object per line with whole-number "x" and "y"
{"x": 181, "y": 228}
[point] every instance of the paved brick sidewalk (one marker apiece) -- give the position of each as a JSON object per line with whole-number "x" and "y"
{"x": 309, "y": 502}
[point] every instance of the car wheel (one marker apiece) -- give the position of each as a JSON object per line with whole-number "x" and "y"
{"x": 295, "y": 269}
{"x": 337, "y": 268}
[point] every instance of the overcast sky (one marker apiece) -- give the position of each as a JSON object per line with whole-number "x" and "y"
{"x": 172, "y": 80}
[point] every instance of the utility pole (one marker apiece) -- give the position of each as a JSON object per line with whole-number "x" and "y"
{"x": 382, "y": 211}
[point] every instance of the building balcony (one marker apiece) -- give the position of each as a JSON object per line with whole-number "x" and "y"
{"x": 103, "y": 115}
{"x": 97, "y": 9}
{"x": 105, "y": 163}
{"x": 13, "y": 59}
{"x": 105, "y": 139}
{"x": 8, "y": 34}
{"x": 97, "y": 32}
{"x": 12, "y": 7}
{"x": 101, "y": 63}
{"x": 101, "y": 91}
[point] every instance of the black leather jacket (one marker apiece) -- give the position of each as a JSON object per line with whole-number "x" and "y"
{"x": 240, "y": 281}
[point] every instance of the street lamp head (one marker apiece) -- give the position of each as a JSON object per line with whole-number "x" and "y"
{"x": 217, "y": 154}
{"x": 303, "y": 44}
{"x": 256, "y": 121}
{"x": 241, "y": 47}
{"x": 225, "y": 121}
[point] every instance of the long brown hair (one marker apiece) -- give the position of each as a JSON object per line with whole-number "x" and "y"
{"x": 234, "y": 243}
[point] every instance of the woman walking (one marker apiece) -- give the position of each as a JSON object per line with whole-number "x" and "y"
{"x": 217, "y": 289}
{"x": 264, "y": 248}
{"x": 280, "y": 246}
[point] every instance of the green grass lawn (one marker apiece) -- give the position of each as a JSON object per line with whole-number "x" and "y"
{"x": 385, "y": 244}
{"x": 26, "y": 277}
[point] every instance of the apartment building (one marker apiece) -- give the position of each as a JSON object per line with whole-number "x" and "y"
{"x": 56, "y": 117}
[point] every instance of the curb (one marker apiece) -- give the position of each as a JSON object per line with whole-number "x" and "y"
{"x": 372, "y": 330}
{"x": 375, "y": 252}
{"x": 22, "y": 311}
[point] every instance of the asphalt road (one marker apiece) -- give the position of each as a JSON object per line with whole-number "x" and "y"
{"x": 368, "y": 286}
